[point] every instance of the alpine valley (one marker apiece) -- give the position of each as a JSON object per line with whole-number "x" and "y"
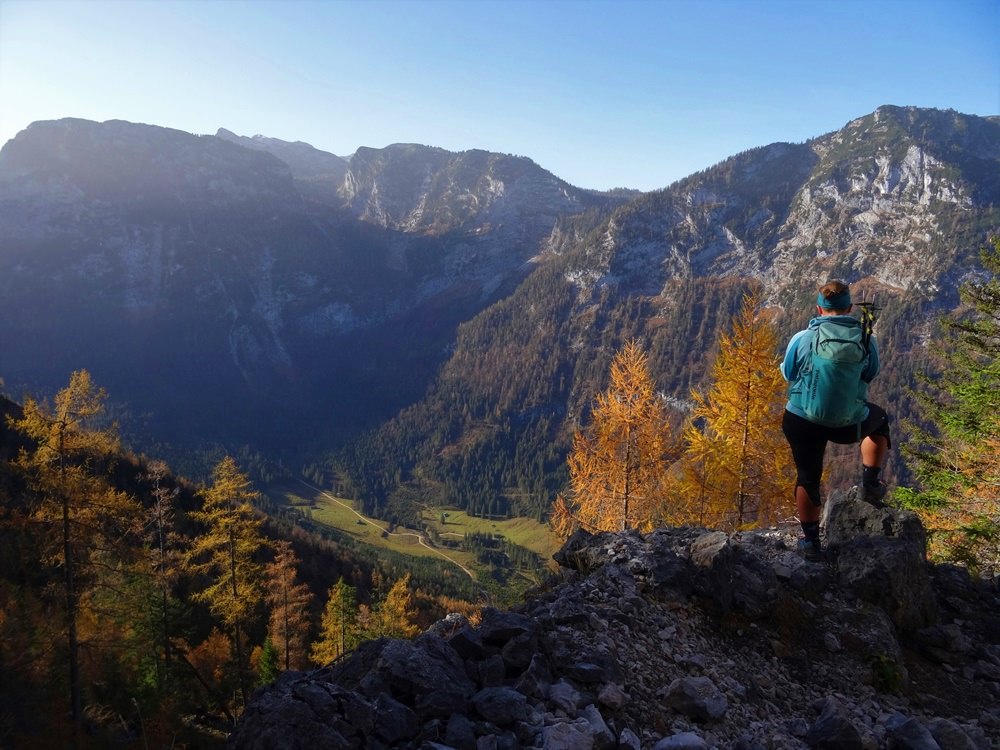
{"x": 431, "y": 327}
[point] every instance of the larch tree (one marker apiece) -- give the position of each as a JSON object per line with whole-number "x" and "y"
{"x": 227, "y": 554}
{"x": 618, "y": 462}
{"x": 395, "y": 614}
{"x": 339, "y": 628}
{"x": 736, "y": 470}
{"x": 164, "y": 559}
{"x": 289, "y": 600}
{"x": 83, "y": 520}
{"x": 955, "y": 454}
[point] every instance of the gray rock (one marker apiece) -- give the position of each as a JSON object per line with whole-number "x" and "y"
{"x": 568, "y": 735}
{"x": 518, "y": 652}
{"x": 697, "y": 698}
{"x": 590, "y": 673}
{"x": 628, "y": 740}
{"x": 499, "y": 627}
{"x": 945, "y": 644}
{"x": 492, "y": 671}
{"x": 682, "y": 741}
{"x": 950, "y": 736}
{"x": 500, "y": 705}
{"x": 393, "y": 721}
{"x": 426, "y": 666}
{"x": 460, "y": 733}
{"x": 613, "y": 696}
{"x": 891, "y": 574}
{"x": 467, "y": 643}
{"x": 604, "y": 738}
{"x": 909, "y": 734}
{"x": 833, "y": 729}
{"x": 845, "y": 517}
{"x": 535, "y": 680}
{"x": 554, "y": 674}
{"x": 564, "y": 696}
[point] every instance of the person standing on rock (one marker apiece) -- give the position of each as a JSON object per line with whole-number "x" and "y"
{"x": 828, "y": 367}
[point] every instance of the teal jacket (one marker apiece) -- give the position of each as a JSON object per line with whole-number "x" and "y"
{"x": 797, "y": 355}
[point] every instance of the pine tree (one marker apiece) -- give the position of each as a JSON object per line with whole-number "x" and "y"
{"x": 955, "y": 458}
{"x": 267, "y": 663}
{"x": 81, "y": 516}
{"x": 289, "y": 600}
{"x": 227, "y": 554}
{"x": 736, "y": 469}
{"x": 339, "y": 629}
{"x": 618, "y": 463}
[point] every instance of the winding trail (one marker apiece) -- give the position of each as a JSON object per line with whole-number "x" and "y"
{"x": 420, "y": 537}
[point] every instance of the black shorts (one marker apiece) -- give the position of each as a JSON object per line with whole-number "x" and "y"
{"x": 808, "y": 440}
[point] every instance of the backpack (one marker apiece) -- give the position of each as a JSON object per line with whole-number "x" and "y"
{"x": 837, "y": 358}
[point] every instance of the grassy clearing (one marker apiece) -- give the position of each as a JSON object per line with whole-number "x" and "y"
{"x": 339, "y": 514}
{"x": 526, "y": 532}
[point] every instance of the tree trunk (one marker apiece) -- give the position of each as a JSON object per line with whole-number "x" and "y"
{"x": 236, "y": 625}
{"x": 76, "y": 701}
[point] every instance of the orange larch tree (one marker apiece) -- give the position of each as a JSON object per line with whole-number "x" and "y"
{"x": 619, "y": 461}
{"x": 736, "y": 468}
{"x": 289, "y": 600}
{"x": 227, "y": 554}
{"x": 83, "y": 520}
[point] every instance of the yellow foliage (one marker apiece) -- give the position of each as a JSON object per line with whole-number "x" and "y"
{"x": 289, "y": 600}
{"x": 340, "y": 630}
{"x": 736, "y": 470}
{"x": 397, "y": 613}
{"x": 964, "y": 528}
{"x": 618, "y": 463}
{"x": 226, "y": 551}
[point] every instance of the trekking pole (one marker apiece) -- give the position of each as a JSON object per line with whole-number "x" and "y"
{"x": 869, "y": 317}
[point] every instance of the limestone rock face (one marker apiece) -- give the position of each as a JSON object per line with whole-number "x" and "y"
{"x": 682, "y": 638}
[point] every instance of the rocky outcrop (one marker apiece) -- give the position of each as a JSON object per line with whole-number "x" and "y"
{"x": 682, "y": 638}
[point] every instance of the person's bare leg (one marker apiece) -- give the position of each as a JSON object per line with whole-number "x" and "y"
{"x": 804, "y": 506}
{"x": 873, "y": 450}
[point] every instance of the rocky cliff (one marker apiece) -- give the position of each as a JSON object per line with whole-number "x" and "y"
{"x": 682, "y": 639}
{"x": 200, "y": 278}
{"x": 897, "y": 203}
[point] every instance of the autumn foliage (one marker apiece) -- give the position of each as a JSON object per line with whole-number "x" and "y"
{"x": 736, "y": 470}
{"x": 619, "y": 461}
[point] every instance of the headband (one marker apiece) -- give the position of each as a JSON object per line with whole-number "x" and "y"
{"x": 837, "y": 302}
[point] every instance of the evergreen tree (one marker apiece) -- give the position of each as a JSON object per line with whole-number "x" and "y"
{"x": 83, "y": 520}
{"x": 955, "y": 459}
{"x": 618, "y": 463}
{"x": 267, "y": 663}
{"x": 736, "y": 469}
{"x": 227, "y": 554}
{"x": 289, "y": 600}
{"x": 339, "y": 629}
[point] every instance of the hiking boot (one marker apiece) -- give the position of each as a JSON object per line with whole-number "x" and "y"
{"x": 810, "y": 549}
{"x": 874, "y": 494}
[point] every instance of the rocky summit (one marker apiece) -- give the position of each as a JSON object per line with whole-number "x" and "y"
{"x": 682, "y": 639}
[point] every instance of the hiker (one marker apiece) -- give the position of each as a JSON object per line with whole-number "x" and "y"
{"x": 828, "y": 367}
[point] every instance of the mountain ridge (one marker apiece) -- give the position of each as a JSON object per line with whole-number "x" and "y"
{"x": 468, "y": 325}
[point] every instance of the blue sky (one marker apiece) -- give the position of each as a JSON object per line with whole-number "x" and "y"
{"x": 603, "y": 94}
